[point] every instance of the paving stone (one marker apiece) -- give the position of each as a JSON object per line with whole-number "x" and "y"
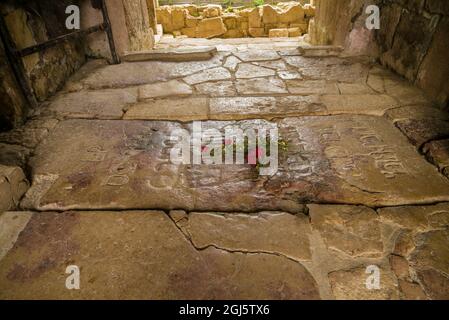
{"x": 351, "y": 285}
{"x": 307, "y": 87}
{"x": 349, "y": 229}
{"x": 404, "y": 92}
{"x": 359, "y": 104}
{"x": 155, "y": 262}
{"x": 257, "y": 55}
{"x": 354, "y": 88}
{"x": 416, "y": 112}
{"x": 208, "y": 75}
{"x": 164, "y": 89}
{"x": 420, "y": 131}
{"x": 126, "y": 164}
{"x": 139, "y": 73}
{"x": 248, "y": 71}
{"x": 182, "y": 109}
{"x": 269, "y": 232}
{"x": 11, "y": 224}
{"x": 411, "y": 291}
{"x": 277, "y": 65}
{"x": 235, "y": 108}
{"x": 332, "y": 69}
{"x": 13, "y": 185}
{"x": 289, "y": 75}
{"x": 217, "y": 89}
{"x": 101, "y": 104}
{"x": 262, "y": 86}
{"x": 430, "y": 260}
{"x": 231, "y": 63}
{"x": 417, "y": 218}
{"x": 179, "y": 54}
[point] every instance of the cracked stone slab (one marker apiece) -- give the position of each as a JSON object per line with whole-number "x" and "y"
{"x": 231, "y": 63}
{"x": 424, "y": 130}
{"x": 248, "y": 71}
{"x": 277, "y": 65}
{"x": 164, "y": 89}
{"x": 234, "y": 108}
{"x": 353, "y": 230}
{"x": 185, "y": 109}
{"x": 217, "y": 89}
{"x": 416, "y": 112}
{"x": 369, "y": 104}
{"x": 331, "y": 69}
{"x": 261, "y": 86}
{"x": 100, "y": 104}
{"x": 140, "y": 73}
{"x": 351, "y": 285}
{"x": 270, "y": 232}
{"x": 147, "y": 258}
{"x": 126, "y": 164}
{"x": 213, "y": 74}
{"x": 11, "y": 224}
{"x": 308, "y": 87}
{"x": 257, "y": 55}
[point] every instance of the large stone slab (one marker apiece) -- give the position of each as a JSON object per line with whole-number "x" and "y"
{"x": 126, "y": 164}
{"x": 182, "y": 109}
{"x": 248, "y": 71}
{"x": 139, "y": 255}
{"x": 13, "y": 185}
{"x": 260, "y": 86}
{"x": 100, "y": 104}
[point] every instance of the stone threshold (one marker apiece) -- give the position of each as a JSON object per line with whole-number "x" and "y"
{"x": 196, "y": 53}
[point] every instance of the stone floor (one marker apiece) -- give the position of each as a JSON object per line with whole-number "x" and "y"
{"x": 364, "y": 182}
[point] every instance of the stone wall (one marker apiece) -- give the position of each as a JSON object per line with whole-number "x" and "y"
{"x": 31, "y": 22}
{"x": 342, "y": 23}
{"x": 283, "y": 20}
{"x": 414, "y": 42}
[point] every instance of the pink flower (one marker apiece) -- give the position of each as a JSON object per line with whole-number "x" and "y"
{"x": 254, "y": 154}
{"x": 228, "y": 141}
{"x": 204, "y": 149}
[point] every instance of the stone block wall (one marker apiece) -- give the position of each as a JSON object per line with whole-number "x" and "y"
{"x": 209, "y": 21}
{"x": 31, "y": 22}
{"x": 414, "y": 42}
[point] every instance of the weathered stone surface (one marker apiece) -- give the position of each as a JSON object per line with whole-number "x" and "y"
{"x": 248, "y": 71}
{"x": 405, "y": 93}
{"x": 349, "y": 229}
{"x": 29, "y": 135}
{"x": 358, "y": 104}
{"x": 255, "y": 18}
{"x": 321, "y": 51}
{"x": 411, "y": 290}
{"x": 257, "y": 55}
{"x": 11, "y": 224}
{"x": 278, "y": 65}
{"x": 278, "y": 33}
{"x": 179, "y": 54}
{"x": 416, "y": 112}
{"x": 231, "y": 63}
{"x": 186, "y": 109}
{"x": 333, "y": 69}
{"x": 208, "y": 28}
{"x": 351, "y": 285}
{"x": 269, "y": 232}
{"x": 438, "y": 153}
{"x": 307, "y": 87}
{"x": 354, "y": 88}
{"x": 423, "y": 130}
{"x": 138, "y": 73}
{"x": 13, "y": 155}
{"x": 100, "y": 104}
{"x": 217, "y": 89}
{"x": 164, "y": 89}
{"x": 256, "y": 32}
{"x": 126, "y": 164}
{"x": 263, "y": 107}
{"x": 208, "y": 75}
{"x": 430, "y": 259}
{"x": 13, "y": 185}
{"x": 155, "y": 262}
{"x": 261, "y": 86}
{"x": 417, "y": 218}
{"x": 289, "y": 75}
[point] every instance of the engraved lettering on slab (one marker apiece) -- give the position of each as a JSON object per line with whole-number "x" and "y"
{"x": 94, "y": 154}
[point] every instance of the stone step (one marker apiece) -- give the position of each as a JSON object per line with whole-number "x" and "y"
{"x": 177, "y": 55}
